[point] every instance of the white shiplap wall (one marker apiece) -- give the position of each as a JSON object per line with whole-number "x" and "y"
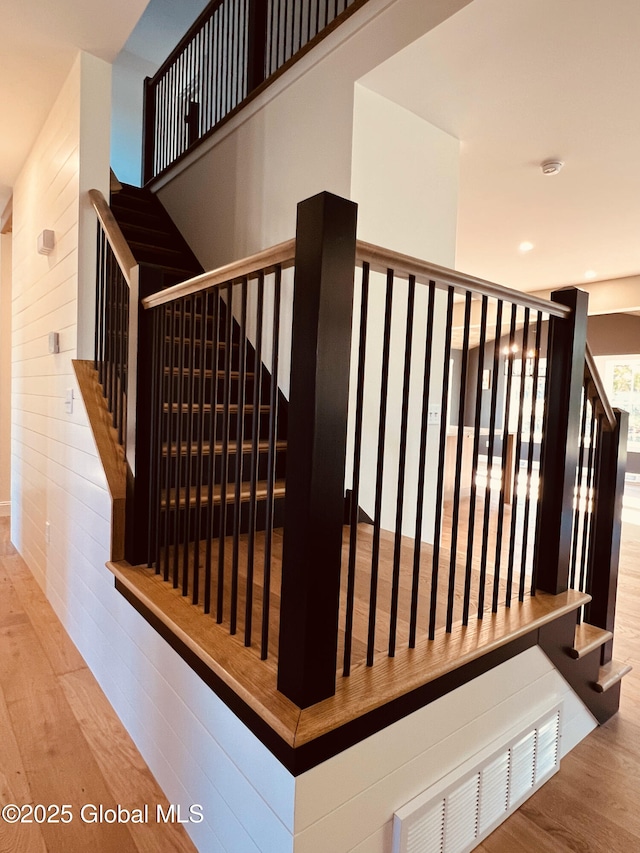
{"x": 5, "y": 374}
{"x": 197, "y": 749}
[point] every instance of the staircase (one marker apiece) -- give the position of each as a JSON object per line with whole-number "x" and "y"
{"x": 152, "y": 236}
{"x": 577, "y": 653}
{"x": 217, "y": 442}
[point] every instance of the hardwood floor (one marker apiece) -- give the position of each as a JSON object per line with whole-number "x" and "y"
{"x": 592, "y": 804}
{"x": 52, "y": 711}
{"x": 61, "y": 742}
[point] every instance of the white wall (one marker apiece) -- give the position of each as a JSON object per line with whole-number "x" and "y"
{"x": 405, "y": 180}
{"x": 347, "y": 803}
{"x": 239, "y": 193}
{"x": 5, "y": 374}
{"x": 196, "y": 748}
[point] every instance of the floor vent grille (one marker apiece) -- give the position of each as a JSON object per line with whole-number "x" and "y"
{"x": 457, "y": 813}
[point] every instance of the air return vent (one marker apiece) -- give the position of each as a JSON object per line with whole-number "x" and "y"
{"x": 457, "y": 813}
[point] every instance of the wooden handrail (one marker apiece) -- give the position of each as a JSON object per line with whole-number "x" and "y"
{"x": 592, "y": 375}
{"x": 116, "y": 239}
{"x": 279, "y": 255}
{"x": 383, "y": 259}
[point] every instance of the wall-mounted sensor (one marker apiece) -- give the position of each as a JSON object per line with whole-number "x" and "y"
{"x": 46, "y": 242}
{"x": 54, "y": 342}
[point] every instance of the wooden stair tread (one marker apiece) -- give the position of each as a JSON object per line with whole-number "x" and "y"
{"x": 261, "y": 492}
{"x": 247, "y": 446}
{"x": 611, "y": 673}
{"x": 588, "y": 639}
{"x": 206, "y": 407}
{"x": 366, "y": 689}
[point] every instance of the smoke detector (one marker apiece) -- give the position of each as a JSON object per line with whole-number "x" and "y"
{"x": 551, "y": 167}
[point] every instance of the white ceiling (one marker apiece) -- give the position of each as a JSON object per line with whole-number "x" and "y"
{"x": 38, "y": 42}
{"x": 518, "y": 82}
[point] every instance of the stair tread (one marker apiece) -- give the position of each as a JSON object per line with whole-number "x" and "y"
{"x": 261, "y": 492}
{"x": 247, "y": 446}
{"x": 611, "y": 673}
{"x": 588, "y": 638}
{"x": 206, "y": 407}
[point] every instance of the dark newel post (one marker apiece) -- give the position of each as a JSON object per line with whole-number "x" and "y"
{"x": 607, "y": 521}
{"x": 148, "y": 129}
{"x": 138, "y": 427}
{"x": 257, "y": 47}
{"x": 317, "y": 434}
{"x": 565, "y": 373}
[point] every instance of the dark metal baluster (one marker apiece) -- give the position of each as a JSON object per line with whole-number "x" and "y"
{"x": 474, "y": 461}
{"x": 98, "y": 317}
{"x": 404, "y": 424}
{"x": 212, "y": 436}
{"x": 271, "y": 464}
{"x": 155, "y": 448}
{"x": 239, "y": 454}
{"x": 164, "y": 419}
{"x": 228, "y": 338}
{"x": 435, "y": 564}
{"x": 588, "y": 503}
{"x": 179, "y": 380}
{"x": 458, "y": 475}
{"x": 492, "y": 432}
{"x": 375, "y": 557}
{"x": 518, "y": 452}
{"x": 424, "y": 426}
{"x": 505, "y": 448}
{"x": 527, "y": 506}
{"x": 355, "y": 487}
{"x": 199, "y": 439}
{"x": 255, "y": 457}
{"x": 172, "y": 430}
{"x": 578, "y": 518}
{"x": 190, "y": 383}
{"x": 545, "y": 415}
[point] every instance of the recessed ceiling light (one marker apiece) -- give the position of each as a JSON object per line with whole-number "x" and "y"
{"x": 526, "y": 246}
{"x": 590, "y": 274}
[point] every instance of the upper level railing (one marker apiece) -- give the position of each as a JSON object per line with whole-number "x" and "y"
{"x": 232, "y": 50}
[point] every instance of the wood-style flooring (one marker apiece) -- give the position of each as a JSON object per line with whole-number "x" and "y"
{"x": 60, "y": 740}
{"x": 593, "y": 804}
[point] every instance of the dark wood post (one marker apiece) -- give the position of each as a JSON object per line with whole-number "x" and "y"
{"x": 148, "y": 129}
{"x": 257, "y": 46}
{"x": 565, "y": 372}
{"x": 139, "y": 424}
{"x": 317, "y": 434}
{"x": 607, "y": 521}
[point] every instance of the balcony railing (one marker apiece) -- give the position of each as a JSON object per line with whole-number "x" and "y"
{"x": 233, "y": 49}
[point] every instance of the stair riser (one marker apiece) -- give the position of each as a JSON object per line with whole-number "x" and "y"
{"x": 200, "y": 390}
{"x": 185, "y": 432}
